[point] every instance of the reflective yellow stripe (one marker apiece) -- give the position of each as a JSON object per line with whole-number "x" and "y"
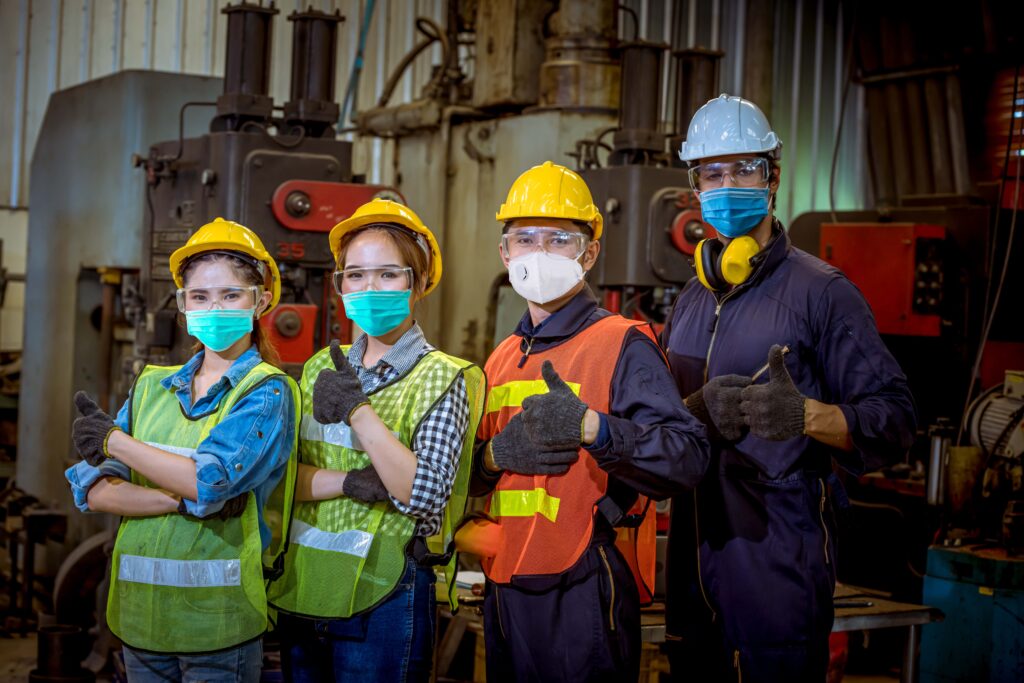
{"x": 511, "y": 394}
{"x": 506, "y": 503}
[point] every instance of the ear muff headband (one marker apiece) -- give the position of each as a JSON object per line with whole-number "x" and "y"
{"x": 719, "y": 266}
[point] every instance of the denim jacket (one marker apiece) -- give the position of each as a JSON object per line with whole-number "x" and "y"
{"x": 228, "y": 462}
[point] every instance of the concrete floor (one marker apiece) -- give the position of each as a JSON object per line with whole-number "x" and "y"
{"x": 18, "y": 658}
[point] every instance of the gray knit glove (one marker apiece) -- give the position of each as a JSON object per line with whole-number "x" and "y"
{"x": 717, "y": 405}
{"x": 337, "y": 393}
{"x": 554, "y": 421}
{"x": 774, "y": 411}
{"x": 92, "y": 430}
{"x": 515, "y": 451}
{"x": 364, "y": 485}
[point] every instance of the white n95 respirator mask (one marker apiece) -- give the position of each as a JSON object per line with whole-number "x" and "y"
{"x": 541, "y": 277}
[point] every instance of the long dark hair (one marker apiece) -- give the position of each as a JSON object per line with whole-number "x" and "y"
{"x": 250, "y": 275}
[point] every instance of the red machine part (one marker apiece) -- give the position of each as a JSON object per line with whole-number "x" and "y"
{"x": 290, "y": 328}
{"x": 688, "y": 227}
{"x": 882, "y": 259}
{"x": 315, "y": 206}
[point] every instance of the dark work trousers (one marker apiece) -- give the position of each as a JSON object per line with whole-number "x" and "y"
{"x": 767, "y": 552}
{"x": 583, "y": 625}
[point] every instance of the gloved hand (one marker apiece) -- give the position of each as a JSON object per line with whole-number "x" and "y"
{"x": 364, "y": 485}
{"x": 554, "y": 421}
{"x": 774, "y": 411}
{"x": 91, "y": 431}
{"x": 513, "y": 450}
{"x": 233, "y": 507}
{"x": 337, "y": 393}
{"x": 717, "y": 405}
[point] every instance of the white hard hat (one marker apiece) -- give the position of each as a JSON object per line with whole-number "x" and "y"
{"x": 729, "y": 125}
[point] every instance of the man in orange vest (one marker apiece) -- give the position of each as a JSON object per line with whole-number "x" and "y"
{"x": 581, "y": 416}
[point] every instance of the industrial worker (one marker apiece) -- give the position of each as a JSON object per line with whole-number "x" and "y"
{"x": 752, "y": 548}
{"x": 581, "y": 416}
{"x": 386, "y": 451}
{"x": 200, "y": 464}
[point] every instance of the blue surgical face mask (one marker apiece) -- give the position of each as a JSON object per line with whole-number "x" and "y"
{"x": 377, "y": 312}
{"x": 220, "y": 328}
{"x": 734, "y": 211}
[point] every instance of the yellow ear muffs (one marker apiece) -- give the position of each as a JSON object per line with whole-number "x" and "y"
{"x": 719, "y": 266}
{"x": 705, "y": 260}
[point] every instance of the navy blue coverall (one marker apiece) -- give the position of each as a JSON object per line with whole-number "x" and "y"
{"x": 584, "y": 624}
{"x": 751, "y": 566}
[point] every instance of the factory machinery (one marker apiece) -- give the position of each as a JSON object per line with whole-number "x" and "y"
{"x": 128, "y": 166}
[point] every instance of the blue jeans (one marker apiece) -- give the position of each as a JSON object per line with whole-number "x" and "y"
{"x": 392, "y": 642}
{"x": 241, "y": 664}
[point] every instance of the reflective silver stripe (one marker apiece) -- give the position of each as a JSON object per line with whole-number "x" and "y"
{"x": 178, "y": 450}
{"x": 350, "y": 542}
{"x": 157, "y": 571}
{"x": 335, "y": 434}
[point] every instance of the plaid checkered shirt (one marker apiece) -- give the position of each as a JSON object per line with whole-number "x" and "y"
{"x": 437, "y": 443}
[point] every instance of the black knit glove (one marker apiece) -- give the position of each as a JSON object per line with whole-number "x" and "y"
{"x": 233, "y": 507}
{"x": 774, "y": 411}
{"x": 91, "y": 431}
{"x": 364, "y": 485}
{"x": 337, "y": 393}
{"x": 513, "y": 450}
{"x": 717, "y": 405}
{"x": 554, "y": 421}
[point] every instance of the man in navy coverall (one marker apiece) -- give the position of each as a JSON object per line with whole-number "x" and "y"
{"x": 751, "y": 567}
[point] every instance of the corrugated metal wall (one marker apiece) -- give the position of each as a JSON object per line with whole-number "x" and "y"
{"x": 47, "y": 45}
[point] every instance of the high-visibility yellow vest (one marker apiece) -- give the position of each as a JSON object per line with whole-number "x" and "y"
{"x": 344, "y": 556}
{"x": 181, "y": 584}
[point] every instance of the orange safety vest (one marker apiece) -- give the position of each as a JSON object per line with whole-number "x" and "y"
{"x": 546, "y": 522}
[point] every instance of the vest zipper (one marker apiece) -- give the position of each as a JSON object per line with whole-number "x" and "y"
{"x": 700, "y": 579}
{"x": 736, "y": 665}
{"x": 611, "y": 580}
{"x": 821, "y": 515}
{"x": 529, "y": 345}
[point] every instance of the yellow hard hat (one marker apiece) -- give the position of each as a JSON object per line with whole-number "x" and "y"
{"x": 222, "y": 235}
{"x": 551, "y": 191}
{"x": 388, "y": 212}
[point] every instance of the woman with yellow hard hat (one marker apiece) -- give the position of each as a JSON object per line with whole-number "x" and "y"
{"x": 385, "y": 448}
{"x": 199, "y": 463}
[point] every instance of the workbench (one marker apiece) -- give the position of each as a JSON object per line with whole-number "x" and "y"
{"x": 855, "y": 610}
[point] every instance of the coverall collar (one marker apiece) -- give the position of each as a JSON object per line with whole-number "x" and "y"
{"x": 565, "y": 322}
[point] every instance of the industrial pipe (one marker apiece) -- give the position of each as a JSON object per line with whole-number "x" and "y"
{"x": 640, "y": 98}
{"x": 246, "y": 67}
{"x": 247, "y": 63}
{"x": 314, "y": 52}
{"x": 696, "y": 83}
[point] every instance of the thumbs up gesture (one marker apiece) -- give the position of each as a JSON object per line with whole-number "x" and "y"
{"x": 554, "y": 421}
{"x": 337, "y": 393}
{"x": 774, "y": 411}
{"x": 91, "y": 431}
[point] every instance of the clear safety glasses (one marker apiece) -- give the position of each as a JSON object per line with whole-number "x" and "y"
{"x": 751, "y": 172}
{"x": 522, "y": 241}
{"x": 351, "y": 280}
{"x": 208, "y": 298}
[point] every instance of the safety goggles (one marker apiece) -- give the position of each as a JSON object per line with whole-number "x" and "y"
{"x": 752, "y": 172}
{"x": 350, "y": 280}
{"x": 208, "y": 298}
{"x": 522, "y": 241}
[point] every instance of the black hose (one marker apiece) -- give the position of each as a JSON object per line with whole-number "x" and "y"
{"x": 434, "y": 34}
